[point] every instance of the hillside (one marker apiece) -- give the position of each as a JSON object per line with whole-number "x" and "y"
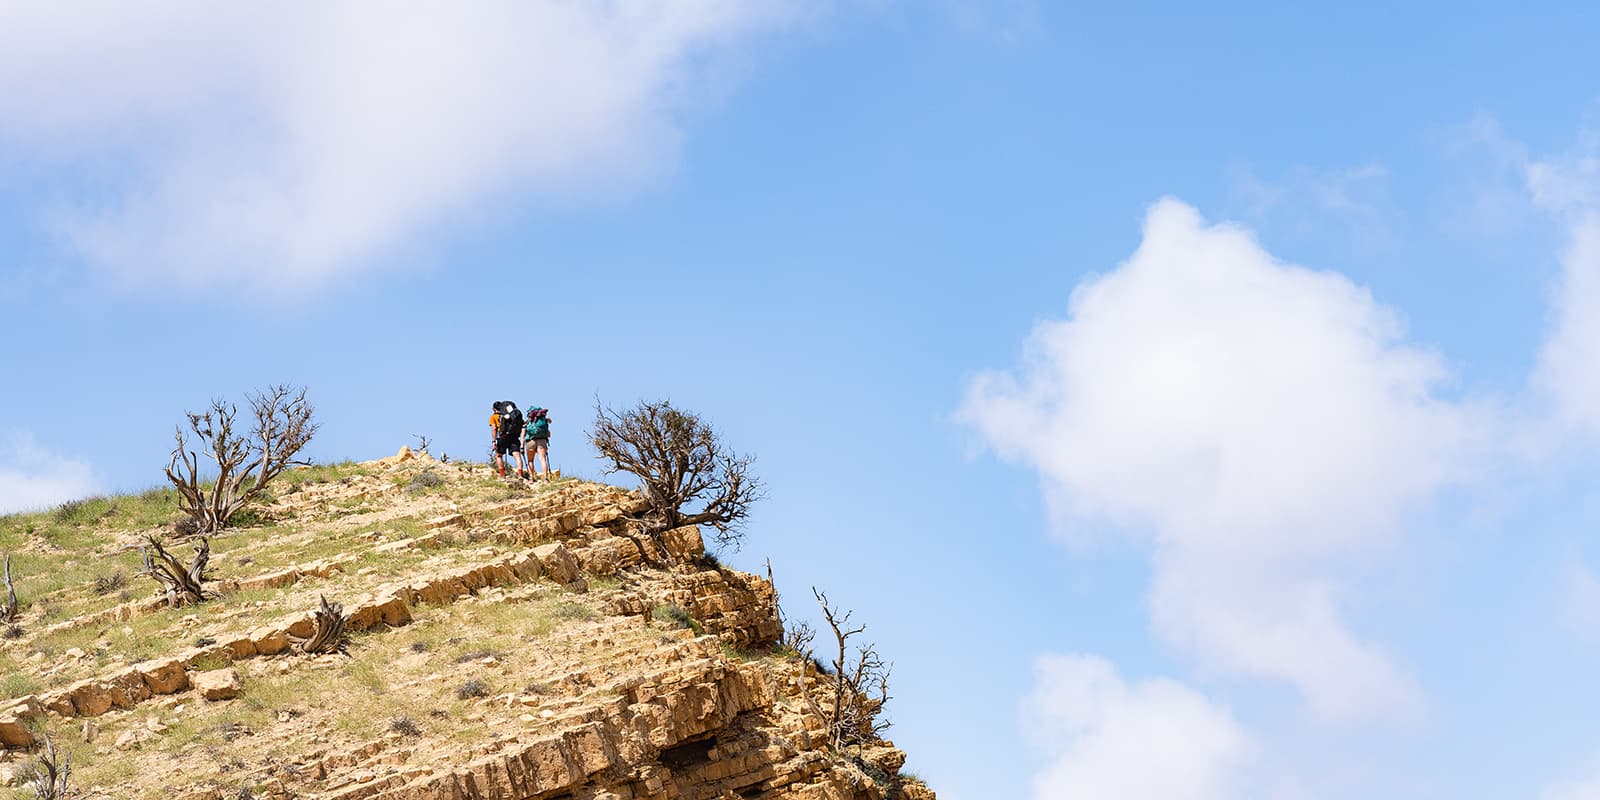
{"x": 504, "y": 642}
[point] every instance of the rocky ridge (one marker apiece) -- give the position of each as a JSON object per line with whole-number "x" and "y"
{"x": 506, "y": 642}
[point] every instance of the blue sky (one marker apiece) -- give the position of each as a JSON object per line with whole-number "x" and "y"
{"x": 1194, "y": 400}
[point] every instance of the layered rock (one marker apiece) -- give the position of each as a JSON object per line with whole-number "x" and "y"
{"x": 615, "y": 702}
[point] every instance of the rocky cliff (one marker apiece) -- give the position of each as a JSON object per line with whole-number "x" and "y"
{"x": 503, "y": 642}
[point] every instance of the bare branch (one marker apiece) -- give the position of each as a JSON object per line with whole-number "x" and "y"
{"x": 680, "y": 462}
{"x": 9, "y": 613}
{"x": 184, "y": 585}
{"x": 328, "y": 636}
{"x": 49, "y": 774}
{"x": 284, "y": 423}
{"x": 860, "y": 685}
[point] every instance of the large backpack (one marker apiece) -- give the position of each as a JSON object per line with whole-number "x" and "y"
{"x": 510, "y": 419}
{"x": 538, "y": 424}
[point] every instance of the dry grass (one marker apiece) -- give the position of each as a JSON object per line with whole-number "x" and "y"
{"x": 337, "y": 703}
{"x": 528, "y": 636}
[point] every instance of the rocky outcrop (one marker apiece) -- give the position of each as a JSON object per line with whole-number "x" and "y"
{"x": 655, "y": 676}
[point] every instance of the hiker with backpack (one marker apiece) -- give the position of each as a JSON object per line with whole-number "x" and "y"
{"x": 536, "y": 439}
{"x": 505, "y": 425}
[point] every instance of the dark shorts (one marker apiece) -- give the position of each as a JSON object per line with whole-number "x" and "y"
{"x": 506, "y": 445}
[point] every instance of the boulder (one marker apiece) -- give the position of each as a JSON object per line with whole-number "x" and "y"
{"x": 217, "y": 684}
{"x": 557, "y": 563}
{"x": 14, "y": 719}
{"x": 270, "y": 641}
{"x": 89, "y": 698}
{"x": 163, "y": 676}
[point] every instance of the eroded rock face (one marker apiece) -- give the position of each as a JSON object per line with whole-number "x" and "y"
{"x": 619, "y": 704}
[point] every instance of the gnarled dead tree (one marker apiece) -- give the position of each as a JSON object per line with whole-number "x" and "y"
{"x": 681, "y": 464}
{"x": 48, "y": 774}
{"x": 9, "y": 612}
{"x": 185, "y": 585}
{"x": 244, "y": 462}
{"x": 860, "y": 685}
{"x": 328, "y": 634}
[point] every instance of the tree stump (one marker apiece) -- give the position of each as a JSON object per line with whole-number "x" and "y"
{"x": 185, "y": 585}
{"x": 328, "y": 635}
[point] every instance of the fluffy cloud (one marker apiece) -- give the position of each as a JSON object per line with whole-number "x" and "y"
{"x": 1263, "y": 421}
{"x": 1107, "y": 738}
{"x": 1566, "y": 376}
{"x": 31, "y": 478}
{"x": 311, "y": 138}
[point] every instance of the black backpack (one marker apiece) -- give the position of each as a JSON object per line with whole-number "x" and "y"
{"x": 510, "y": 419}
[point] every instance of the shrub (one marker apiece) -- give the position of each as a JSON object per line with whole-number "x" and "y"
{"x": 427, "y": 479}
{"x": 106, "y": 584}
{"x": 471, "y": 689}
{"x": 675, "y": 615}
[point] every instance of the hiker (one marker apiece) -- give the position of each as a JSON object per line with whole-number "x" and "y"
{"x": 536, "y": 438}
{"x": 505, "y": 426}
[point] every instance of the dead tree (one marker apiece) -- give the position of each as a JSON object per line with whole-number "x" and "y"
{"x": 244, "y": 462}
{"x": 184, "y": 585}
{"x": 328, "y": 634}
{"x": 681, "y": 463}
{"x": 49, "y": 774}
{"x": 860, "y": 686}
{"x": 9, "y": 613}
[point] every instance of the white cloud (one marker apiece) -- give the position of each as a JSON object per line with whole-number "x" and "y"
{"x": 311, "y": 139}
{"x": 1566, "y": 377}
{"x": 1582, "y": 789}
{"x": 1265, "y": 422}
{"x": 32, "y": 479}
{"x": 1107, "y": 738}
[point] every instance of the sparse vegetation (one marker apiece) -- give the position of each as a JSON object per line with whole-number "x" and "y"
{"x": 106, "y": 584}
{"x": 16, "y": 683}
{"x": 284, "y": 423}
{"x": 680, "y": 462}
{"x": 48, "y": 775}
{"x": 184, "y": 585}
{"x": 70, "y": 573}
{"x": 675, "y": 615}
{"x": 426, "y": 479}
{"x": 574, "y": 611}
{"x": 859, "y": 683}
{"x": 9, "y": 611}
{"x": 479, "y": 655}
{"x": 471, "y": 689}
